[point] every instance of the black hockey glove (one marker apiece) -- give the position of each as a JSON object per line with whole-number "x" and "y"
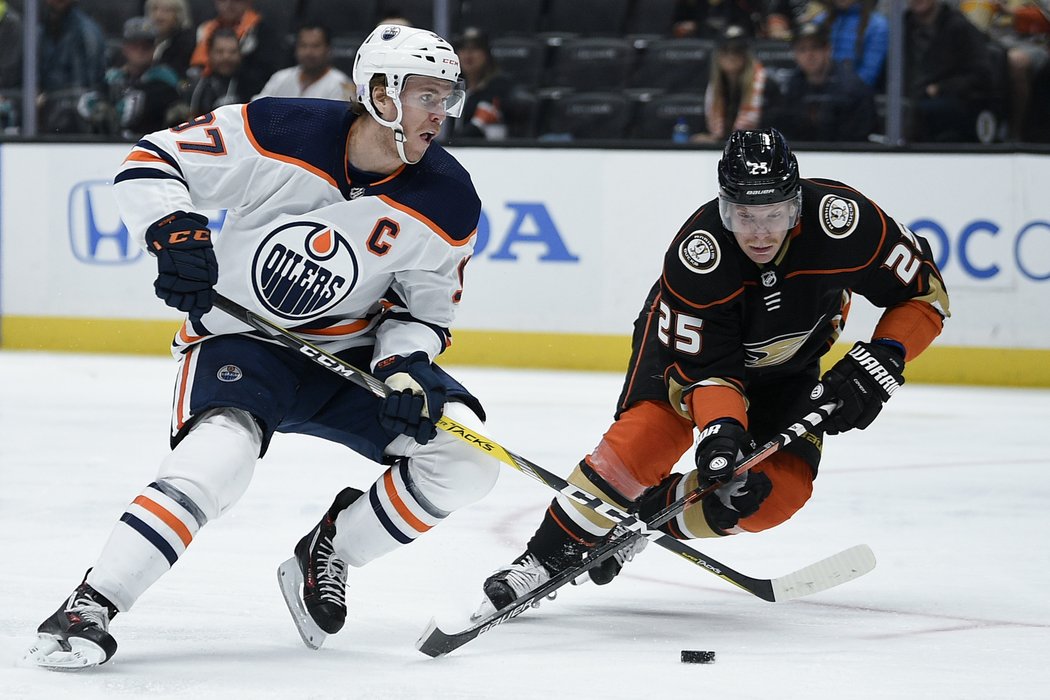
{"x": 186, "y": 267}
{"x": 418, "y": 398}
{"x": 719, "y": 447}
{"x": 738, "y": 499}
{"x": 861, "y": 382}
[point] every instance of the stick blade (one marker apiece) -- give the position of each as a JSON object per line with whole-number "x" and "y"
{"x": 827, "y": 573}
{"x": 435, "y": 642}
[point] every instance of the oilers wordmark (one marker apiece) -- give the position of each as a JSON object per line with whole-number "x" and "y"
{"x": 299, "y": 282}
{"x": 303, "y": 269}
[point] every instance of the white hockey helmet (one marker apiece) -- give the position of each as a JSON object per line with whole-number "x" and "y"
{"x": 399, "y": 52}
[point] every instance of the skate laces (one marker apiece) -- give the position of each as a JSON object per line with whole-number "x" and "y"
{"x": 628, "y": 552}
{"x": 331, "y": 573}
{"x": 89, "y": 610}
{"x": 524, "y": 575}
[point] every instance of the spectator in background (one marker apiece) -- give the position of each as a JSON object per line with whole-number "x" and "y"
{"x": 222, "y": 84}
{"x": 947, "y": 72}
{"x": 860, "y": 37}
{"x": 140, "y": 94}
{"x": 72, "y": 48}
{"x": 10, "y": 47}
{"x": 393, "y": 15}
{"x": 1023, "y": 29}
{"x": 487, "y": 88}
{"x": 176, "y": 37}
{"x": 824, "y": 99}
{"x": 709, "y": 20}
{"x": 72, "y": 62}
{"x": 313, "y": 74}
{"x": 262, "y": 48}
{"x": 784, "y": 18}
{"x": 739, "y": 89}
{"x": 10, "y": 69}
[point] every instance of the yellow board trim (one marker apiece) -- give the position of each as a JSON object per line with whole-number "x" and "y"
{"x": 568, "y": 351}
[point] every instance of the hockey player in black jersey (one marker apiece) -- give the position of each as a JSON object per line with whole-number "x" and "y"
{"x": 755, "y": 288}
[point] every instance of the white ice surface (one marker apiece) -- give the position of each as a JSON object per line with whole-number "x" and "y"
{"x": 950, "y": 487}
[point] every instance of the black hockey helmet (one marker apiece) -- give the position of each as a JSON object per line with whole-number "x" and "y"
{"x": 757, "y": 167}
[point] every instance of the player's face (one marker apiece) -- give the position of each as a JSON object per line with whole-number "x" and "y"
{"x": 761, "y": 230}
{"x": 426, "y": 103}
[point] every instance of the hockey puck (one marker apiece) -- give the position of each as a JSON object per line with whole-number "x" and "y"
{"x": 690, "y": 656}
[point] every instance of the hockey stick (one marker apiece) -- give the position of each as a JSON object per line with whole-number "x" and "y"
{"x": 826, "y": 573}
{"x": 758, "y": 587}
{"x": 365, "y": 380}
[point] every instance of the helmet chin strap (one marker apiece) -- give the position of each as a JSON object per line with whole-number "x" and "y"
{"x": 394, "y": 125}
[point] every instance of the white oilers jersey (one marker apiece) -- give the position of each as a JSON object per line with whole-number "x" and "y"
{"x": 343, "y": 257}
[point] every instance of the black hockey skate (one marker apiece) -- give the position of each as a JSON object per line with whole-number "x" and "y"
{"x": 313, "y": 581}
{"x": 77, "y": 635}
{"x": 531, "y": 570}
{"x": 512, "y": 582}
{"x": 608, "y": 570}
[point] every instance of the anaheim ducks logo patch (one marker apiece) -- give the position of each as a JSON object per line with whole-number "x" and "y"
{"x": 303, "y": 269}
{"x": 700, "y": 252}
{"x": 838, "y": 216}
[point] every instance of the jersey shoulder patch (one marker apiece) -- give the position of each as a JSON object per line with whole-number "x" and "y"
{"x": 702, "y": 267}
{"x": 833, "y": 211}
{"x": 441, "y": 192}
{"x": 311, "y": 131}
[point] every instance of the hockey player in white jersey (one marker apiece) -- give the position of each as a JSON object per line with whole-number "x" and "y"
{"x": 346, "y": 223}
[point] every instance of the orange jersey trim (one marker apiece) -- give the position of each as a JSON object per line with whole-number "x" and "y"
{"x": 181, "y": 402}
{"x": 187, "y": 337}
{"x": 145, "y": 157}
{"x": 284, "y": 159}
{"x": 344, "y": 329}
{"x": 429, "y": 224}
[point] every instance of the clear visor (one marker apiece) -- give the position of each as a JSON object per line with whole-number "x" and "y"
{"x": 760, "y": 218}
{"x": 433, "y": 96}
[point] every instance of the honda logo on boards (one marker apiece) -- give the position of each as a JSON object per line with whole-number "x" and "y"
{"x": 97, "y": 236}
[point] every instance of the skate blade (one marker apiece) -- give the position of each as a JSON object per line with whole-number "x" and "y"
{"x": 290, "y": 579}
{"x": 47, "y": 653}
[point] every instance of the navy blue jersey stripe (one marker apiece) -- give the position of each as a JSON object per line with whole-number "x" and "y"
{"x": 377, "y": 506}
{"x": 160, "y": 153}
{"x": 152, "y": 536}
{"x": 146, "y": 174}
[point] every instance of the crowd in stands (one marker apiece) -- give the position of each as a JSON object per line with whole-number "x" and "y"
{"x": 556, "y": 70}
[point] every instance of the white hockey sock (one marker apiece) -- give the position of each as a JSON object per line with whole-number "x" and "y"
{"x": 198, "y": 481}
{"x": 392, "y": 513}
{"x": 152, "y": 534}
